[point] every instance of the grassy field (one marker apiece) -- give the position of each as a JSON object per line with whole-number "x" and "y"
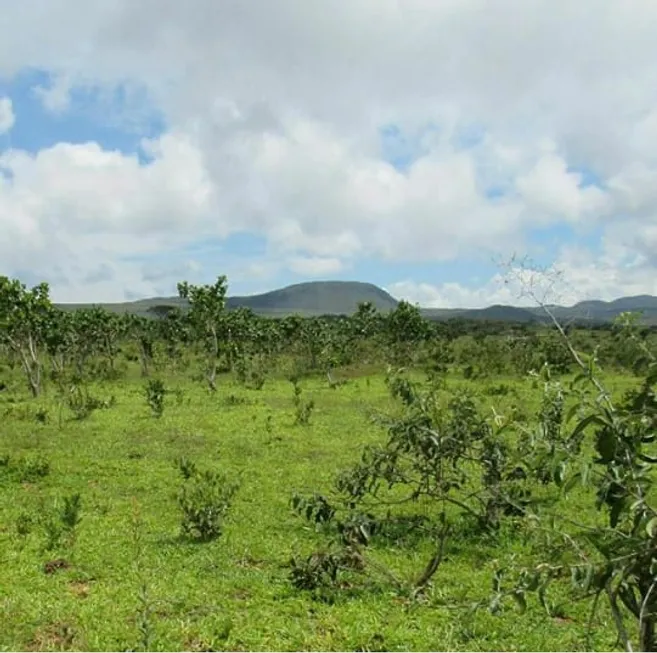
{"x": 129, "y": 580}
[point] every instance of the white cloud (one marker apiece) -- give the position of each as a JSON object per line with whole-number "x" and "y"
{"x": 315, "y": 266}
{"x": 56, "y": 96}
{"x": 272, "y": 112}
{"x": 549, "y": 189}
{"x": 576, "y": 275}
{"x": 78, "y": 207}
{"x": 7, "y": 117}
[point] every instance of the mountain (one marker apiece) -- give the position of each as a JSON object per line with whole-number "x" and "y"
{"x": 317, "y": 298}
{"x": 343, "y": 297}
{"x": 311, "y": 298}
{"x": 598, "y": 311}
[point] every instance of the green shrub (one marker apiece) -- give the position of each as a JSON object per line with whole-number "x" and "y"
{"x": 155, "y": 393}
{"x": 204, "y": 500}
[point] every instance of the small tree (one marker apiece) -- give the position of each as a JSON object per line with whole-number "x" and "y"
{"x": 25, "y": 318}
{"x": 614, "y": 557}
{"x": 207, "y": 305}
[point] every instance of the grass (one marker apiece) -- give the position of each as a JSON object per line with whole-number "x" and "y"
{"x": 130, "y": 581}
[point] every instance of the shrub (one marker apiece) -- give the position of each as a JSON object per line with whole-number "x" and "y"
{"x": 82, "y": 403}
{"x": 303, "y": 409}
{"x": 204, "y": 500}
{"x": 61, "y": 524}
{"x": 155, "y": 393}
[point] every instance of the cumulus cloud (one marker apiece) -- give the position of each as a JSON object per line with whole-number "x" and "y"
{"x": 576, "y": 275}
{"x": 84, "y": 209}
{"x": 274, "y": 114}
{"x": 315, "y": 266}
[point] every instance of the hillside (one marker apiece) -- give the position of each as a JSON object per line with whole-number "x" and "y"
{"x": 343, "y": 297}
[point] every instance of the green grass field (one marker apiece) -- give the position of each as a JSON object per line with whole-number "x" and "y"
{"x": 130, "y": 580}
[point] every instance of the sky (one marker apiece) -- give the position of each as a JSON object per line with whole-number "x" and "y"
{"x": 425, "y": 146}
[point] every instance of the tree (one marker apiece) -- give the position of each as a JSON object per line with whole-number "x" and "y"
{"x": 406, "y": 328}
{"x": 207, "y": 305}
{"x": 615, "y": 556}
{"x": 25, "y": 318}
{"x": 144, "y": 332}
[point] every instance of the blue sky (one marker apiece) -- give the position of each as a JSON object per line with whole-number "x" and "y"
{"x": 36, "y": 128}
{"x": 276, "y": 162}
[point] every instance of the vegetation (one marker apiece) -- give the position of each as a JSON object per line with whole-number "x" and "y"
{"x": 317, "y": 298}
{"x": 214, "y": 479}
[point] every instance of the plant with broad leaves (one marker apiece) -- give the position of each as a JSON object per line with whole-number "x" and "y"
{"x": 204, "y": 499}
{"x": 615, "y": 557}
{"x": 207, "y": 306}
{"x": 155, "y": 394}
{"x": 445, "y": 455}
{"x": 25, "y": 319}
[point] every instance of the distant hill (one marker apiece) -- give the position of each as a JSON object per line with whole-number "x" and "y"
{"x": 317, "y": 298}
{"x": 311, "y": 298}
{"x": 343, "y": 297}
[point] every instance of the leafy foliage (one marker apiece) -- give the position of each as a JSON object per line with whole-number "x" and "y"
{"x": 204, "y": 500}
{"x": 155, "y": 394}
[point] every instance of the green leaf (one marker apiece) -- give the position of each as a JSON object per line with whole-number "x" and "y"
{"x": 616, "y": 509}
{"x": 606, "y": 445}
{"x": 586, "y": 470}
{"x": 571, "y": 482}
{"x": 558, "y": 475}
{"x": 651, "y": 527}
{"x": 587, "y": 421}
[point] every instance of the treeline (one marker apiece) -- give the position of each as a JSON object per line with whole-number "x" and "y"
{"x": 48, "y": 342}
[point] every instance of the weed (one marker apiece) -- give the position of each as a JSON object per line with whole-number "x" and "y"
{"x": 303, "y": 408}
{"x": 82, "y": 403}
{"x": 61, "y": 524}
{"x": 27, "y": 469}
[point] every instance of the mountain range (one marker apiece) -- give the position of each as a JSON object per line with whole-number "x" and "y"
{"x": 342, "y": 298}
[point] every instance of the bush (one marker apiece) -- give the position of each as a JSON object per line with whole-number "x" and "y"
{"x": 204, "y": 500}
{"x": 82, "y": 403}
{"x": 155, "y": 393}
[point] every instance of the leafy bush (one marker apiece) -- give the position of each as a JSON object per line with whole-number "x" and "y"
{"x": 31, "y": 469}
{"x": 204, "y": 500}
{"x": 155, "y": 394}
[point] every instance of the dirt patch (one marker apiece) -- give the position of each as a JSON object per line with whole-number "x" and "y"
{"x": 79, "y": 588}
{"x": 54, "y": 636}
{"x": 53, "y": 566}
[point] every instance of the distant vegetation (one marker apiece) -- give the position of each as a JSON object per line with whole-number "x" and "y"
{"x": 318, "y": 298}
{"x": 215, "y": 479}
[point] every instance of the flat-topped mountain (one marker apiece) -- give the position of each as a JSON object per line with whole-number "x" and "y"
{"x": 343, "y": 297}
{"x": 318, "y": 298}
{"x": 310, "y": 298}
